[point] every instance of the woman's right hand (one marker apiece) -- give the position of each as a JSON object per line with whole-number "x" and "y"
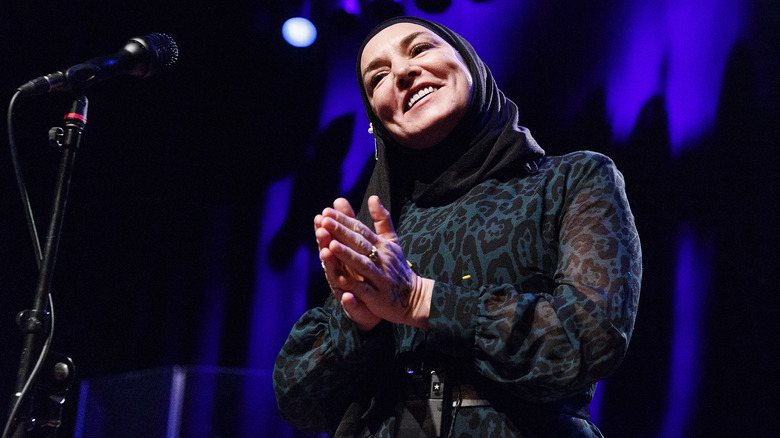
{"x": 381, "y": 279}
{"x": 340, "y": 278}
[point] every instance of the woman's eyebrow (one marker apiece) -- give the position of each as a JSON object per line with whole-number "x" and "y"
{"x": 409, "y": 38}
{"x": 404, "y": 44}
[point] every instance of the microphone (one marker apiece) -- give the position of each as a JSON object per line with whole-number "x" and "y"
{"x": 141, "y": 57}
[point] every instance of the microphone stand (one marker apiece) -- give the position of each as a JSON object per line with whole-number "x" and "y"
{"x": 34, "y": 323}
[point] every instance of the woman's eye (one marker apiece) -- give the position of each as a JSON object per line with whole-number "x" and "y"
{"x": 419, "y": 48}
{"x": 375, "y": 79}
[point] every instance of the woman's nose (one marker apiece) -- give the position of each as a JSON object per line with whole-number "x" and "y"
{"x": 405, "y": 73}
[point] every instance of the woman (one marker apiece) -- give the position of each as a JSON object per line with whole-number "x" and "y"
{"x": 484, "y": 288}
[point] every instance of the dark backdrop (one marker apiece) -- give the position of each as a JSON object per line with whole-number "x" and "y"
{"x": 187, "y": 237}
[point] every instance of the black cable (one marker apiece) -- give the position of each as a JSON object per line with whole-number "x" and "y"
{"x": 38, "y": 258}
{"x": 33, "y": 375}
{"x": 20, "y": 182}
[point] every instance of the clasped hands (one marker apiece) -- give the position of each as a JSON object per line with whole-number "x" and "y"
{"x": 382, "y": 286}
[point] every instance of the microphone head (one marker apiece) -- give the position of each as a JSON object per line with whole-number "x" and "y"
{"x": 161, "y": 50}
{"x": 141, "y": 57}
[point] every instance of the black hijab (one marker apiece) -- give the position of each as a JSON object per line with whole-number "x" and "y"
{"x": 487, "y": 143}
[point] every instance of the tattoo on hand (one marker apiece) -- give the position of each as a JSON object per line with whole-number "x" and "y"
{"x": 402, "y": 290}
{"x": 400, "y": 294}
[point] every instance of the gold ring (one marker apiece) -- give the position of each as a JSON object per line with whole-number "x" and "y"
{"x": 374, "y": 254}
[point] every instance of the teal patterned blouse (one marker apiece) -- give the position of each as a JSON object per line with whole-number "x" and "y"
{"x": 537, "y": 286}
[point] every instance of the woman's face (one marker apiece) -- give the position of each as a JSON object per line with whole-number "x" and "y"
{"x": 417, "y": 84}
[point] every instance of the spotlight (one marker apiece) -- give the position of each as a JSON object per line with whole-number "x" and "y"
{"x": 299, "y": 32}
{"x": 433, "y": 6}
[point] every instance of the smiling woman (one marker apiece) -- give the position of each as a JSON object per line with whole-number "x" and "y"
{"x": 416, "y": 84}
{"x": 483, "y": 288}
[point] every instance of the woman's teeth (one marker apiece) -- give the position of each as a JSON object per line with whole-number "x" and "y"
{"x": 419, "y": 95}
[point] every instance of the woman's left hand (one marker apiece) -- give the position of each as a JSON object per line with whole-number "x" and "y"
{"x": 385, "y": 282}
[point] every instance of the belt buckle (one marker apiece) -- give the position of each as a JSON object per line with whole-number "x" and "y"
{"x": 424, "y": 383}
{"x": 424, "y": 392}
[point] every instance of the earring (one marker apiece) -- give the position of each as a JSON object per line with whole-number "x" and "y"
{"x": 376, "y": 148}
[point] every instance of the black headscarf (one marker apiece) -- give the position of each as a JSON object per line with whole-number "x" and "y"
{"x": 487, "y": 143}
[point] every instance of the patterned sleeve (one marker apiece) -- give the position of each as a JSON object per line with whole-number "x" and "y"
{"x": 544, "y": 346}
{"x": 322, "y": 367}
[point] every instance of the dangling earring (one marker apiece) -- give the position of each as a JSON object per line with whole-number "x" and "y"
{"x": 376, "y": 148}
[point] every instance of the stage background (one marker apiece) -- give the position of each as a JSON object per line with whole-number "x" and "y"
{"x": 188, "y": 234}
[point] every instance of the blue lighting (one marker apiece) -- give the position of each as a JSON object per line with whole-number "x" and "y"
{"x": 299, "y": 32}
{"x": 274, "y": 313}
{"x": 660, "y": 50}
{"x": 693, "y": 284}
